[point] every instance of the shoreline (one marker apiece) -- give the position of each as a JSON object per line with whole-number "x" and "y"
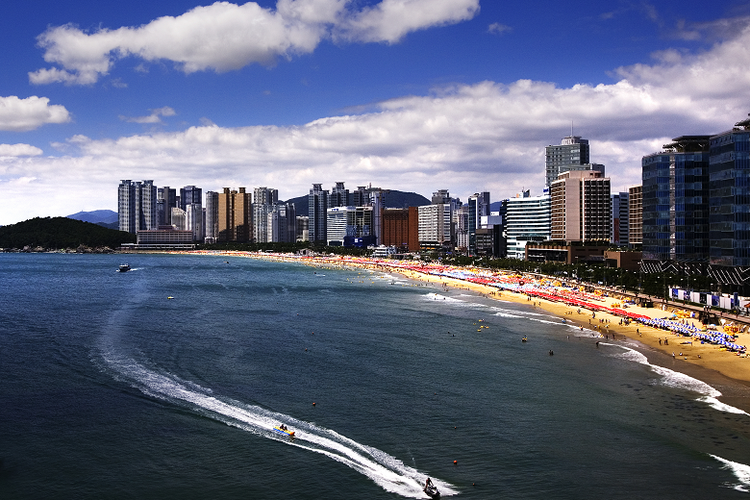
{"x": 725, "y": 371}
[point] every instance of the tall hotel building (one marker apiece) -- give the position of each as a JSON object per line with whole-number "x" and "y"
{"x": 676, "y": 201}
{"x": 729, "y": 197}
{"x": 527, "y": 218}
{"x": 580, "y": 204}
{"x": 401, "y": 228}
{"x": 136, "y": 206}
{"x": 571, "y": 154}
{"x": 235, "y": 216}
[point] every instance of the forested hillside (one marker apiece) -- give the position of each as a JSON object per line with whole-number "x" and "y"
{"x": 60, "y": 232}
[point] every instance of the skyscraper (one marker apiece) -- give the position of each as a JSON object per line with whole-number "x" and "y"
{"x": 479, "y": 206}
{"x": 317, "y": 204}
{"x": 620, "y": 218}
{"x": 263, "y": 203}
{"x": 729, "y": 195}
{"x": 635, "y": 215}
{"x": 136, "y": 206}
{"x": 235, "y": 215}
{"x": 212, "y": 217}
{"x": 580, "y": 205}
{"x": 571, "y": 154}
{"x": 339, "y": 196}
{"x": 675, "y": 201}
{"x": 527, "y": 218}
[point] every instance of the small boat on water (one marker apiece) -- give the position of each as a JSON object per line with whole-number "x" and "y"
{"x": 431, "y": 490}
{"x": 124, "y": 268}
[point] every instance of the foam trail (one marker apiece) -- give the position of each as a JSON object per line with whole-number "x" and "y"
{"x": 679, "y": 380}
{"x": 386, "y": 471}
{"x": 741, "y": 472}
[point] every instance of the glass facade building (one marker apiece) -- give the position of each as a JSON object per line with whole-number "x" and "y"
{"x": 675, "y": 201}
{"x": 729, "y": 197}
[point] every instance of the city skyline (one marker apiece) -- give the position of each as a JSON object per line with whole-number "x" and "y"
{"x": 412, "y": 95}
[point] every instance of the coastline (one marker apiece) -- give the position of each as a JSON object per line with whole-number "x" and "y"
{"x": 723, "y": 370}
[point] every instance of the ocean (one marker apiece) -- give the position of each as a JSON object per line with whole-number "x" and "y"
{"x": 166, "y": 382}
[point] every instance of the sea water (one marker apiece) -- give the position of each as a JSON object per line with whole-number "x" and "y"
{"x": 166, "y": 382}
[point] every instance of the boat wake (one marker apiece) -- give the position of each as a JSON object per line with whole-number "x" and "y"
{"x": 386, "y": 471}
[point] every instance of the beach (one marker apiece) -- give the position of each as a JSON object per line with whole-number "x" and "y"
{"x": 705, "y": 361}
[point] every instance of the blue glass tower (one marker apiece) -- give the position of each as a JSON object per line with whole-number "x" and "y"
{"x": 729, "y": 173}
{"x": 675, "y": 195}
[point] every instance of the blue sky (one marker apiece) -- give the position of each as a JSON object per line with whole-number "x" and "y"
{"x": 417, "y": 95}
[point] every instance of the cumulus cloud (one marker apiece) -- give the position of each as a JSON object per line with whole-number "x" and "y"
{"x": 18, "y": 115}
{"x": 16, "y": 150}
{"x": 225, "y": 36}
{"x": 488, "y": 136}
{"x": 154, "y": 117}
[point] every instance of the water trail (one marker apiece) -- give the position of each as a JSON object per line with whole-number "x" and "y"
{"x": 741, "y": 472}
{"x": 386, "y": 471}
{"x": 679, "y": 380}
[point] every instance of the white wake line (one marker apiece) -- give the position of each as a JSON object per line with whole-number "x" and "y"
{"x": 385, "y": 470}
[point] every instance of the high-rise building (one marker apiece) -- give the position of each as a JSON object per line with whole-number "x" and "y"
{"x": 235, "y": 215}
{"x": 212, "y": 217}
{"x": 580, "y": 205}
{"x": 435, "y": 226}
{"x": 264, "y": 199}
{"x": 620, "y": 218}
{"x": 729, "y": 197}
{"x": 675, "y": 201}
{"x": 302, "y": 228}
{"x": 339, "y": 196}
{"x": 136, "y": 206}
{"x": 281, "y": 222}
{"x": 401, "y": 228}
{"x": 346, "y": 225}
{"x": 635, "y": 215}
{"x": 317, "y": 205}
{"x": 479, "y": 206}
{"x": 571, "y": 154}
{"x": 166, "y": 199}
{"x": 527, "y": 218}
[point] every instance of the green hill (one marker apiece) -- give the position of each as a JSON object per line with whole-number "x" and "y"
{"x": 56, "y": 233}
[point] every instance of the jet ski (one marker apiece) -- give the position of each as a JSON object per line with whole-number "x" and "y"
{"x": 431, "y": 490}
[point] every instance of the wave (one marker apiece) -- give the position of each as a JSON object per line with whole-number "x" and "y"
{"x": 740, "y": 471}
{"x": 386, "y": 471}
{"x": 677, "y": 380}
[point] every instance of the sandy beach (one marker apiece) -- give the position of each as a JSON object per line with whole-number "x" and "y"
{"x": 720, "y": 368}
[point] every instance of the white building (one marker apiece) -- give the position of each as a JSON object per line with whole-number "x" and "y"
{"x": 527, "y": 218}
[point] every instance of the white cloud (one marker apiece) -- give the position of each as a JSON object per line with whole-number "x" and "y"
{"x": 18, "y": 115}
{"x": 16, "y": 150}
{"x": 487, "y": 136}
{"x": 154, "y": 117}
{"x": 224, "y": 36}
{"x": 390, "y": 20}
{"x": 498, "y": 29}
